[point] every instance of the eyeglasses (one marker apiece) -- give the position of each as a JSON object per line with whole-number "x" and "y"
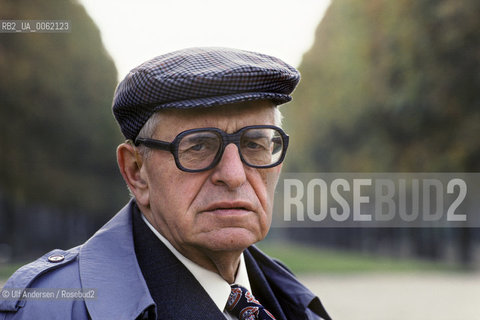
{"x": 195, "y": 150}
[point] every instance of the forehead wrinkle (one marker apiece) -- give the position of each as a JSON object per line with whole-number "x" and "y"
{"x": 228, "y": 118}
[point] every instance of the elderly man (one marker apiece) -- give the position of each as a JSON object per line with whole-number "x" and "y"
{"x": 202, "y": 158}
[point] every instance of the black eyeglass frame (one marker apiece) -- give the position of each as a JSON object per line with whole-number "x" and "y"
{"x": 227, "y": 138}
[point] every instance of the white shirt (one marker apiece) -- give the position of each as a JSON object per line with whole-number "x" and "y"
{"x": 217, "y": 288}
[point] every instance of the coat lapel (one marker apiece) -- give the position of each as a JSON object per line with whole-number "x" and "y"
{"x": 176, "y": 292}
{"x": 261, "y": 289}
{"x": 280, "y": 289}
{"x": 107, "y": 264}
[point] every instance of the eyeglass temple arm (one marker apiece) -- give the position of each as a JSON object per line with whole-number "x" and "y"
{"x": 151, "y": 143}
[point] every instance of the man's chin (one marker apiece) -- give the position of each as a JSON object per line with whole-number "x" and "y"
{"x": 231, "y": 239}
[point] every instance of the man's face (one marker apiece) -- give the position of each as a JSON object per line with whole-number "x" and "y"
{"x": 226, "y": 208}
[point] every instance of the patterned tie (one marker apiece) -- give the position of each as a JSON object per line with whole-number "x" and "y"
{"x": 243, "y": 304}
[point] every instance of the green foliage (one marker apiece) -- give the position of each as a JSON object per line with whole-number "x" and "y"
{"x": 389, "y": 86}
{"x": 58, "y": 136}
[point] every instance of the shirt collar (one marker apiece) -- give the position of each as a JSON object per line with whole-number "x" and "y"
{"x": 216, "y": 287}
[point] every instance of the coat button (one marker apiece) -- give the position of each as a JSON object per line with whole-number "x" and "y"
{"x": 56, "y": 258}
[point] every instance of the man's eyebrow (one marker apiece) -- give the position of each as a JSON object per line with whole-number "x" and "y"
{"x": 256, "y": 134}
{"x": 200, "y": 136}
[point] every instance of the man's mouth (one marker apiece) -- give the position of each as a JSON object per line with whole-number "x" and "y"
{"x": 229, "y": 208}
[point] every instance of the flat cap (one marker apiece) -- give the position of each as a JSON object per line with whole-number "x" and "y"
{"x": 199, "y": 77}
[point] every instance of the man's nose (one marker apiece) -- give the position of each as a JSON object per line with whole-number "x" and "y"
{"x": 230, "y": 170}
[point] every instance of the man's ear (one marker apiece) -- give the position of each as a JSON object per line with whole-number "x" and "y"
{"x": 130, "y": 164}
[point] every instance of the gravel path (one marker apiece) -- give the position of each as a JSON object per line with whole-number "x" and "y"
{"x": 398, "y": 296}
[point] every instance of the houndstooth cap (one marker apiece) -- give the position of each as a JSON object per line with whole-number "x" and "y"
{"x": 199, "y": 77}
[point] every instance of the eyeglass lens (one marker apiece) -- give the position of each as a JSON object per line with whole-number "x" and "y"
{"x": 258, "y": 147}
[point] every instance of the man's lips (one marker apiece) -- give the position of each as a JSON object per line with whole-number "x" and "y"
{"x": 229, "y": 208}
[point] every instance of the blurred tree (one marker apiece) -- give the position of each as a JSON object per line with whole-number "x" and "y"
{"x": 58, "y": 135}
{"x": 390, "y": 86}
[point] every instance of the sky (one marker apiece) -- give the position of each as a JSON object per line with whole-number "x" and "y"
{"x": 135, "y": 31}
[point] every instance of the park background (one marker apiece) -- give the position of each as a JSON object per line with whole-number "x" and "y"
{"x": 387, "y": 86}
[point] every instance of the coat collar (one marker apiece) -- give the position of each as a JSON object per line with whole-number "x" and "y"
{"x": 107, "y": 264}
{"x": 177, "y": 292}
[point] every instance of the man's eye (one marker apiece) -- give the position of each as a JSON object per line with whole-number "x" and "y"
{"x": 197, "y": 147}
{"x": 255, "y": 144}
{"x": 201, "y": 145}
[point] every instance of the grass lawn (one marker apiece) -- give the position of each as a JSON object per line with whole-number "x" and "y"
{"x": 7, "y": 269}
{"x": 301, "y": 259}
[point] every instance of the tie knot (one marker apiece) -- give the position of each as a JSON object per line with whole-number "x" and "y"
{"x": 243, "y": 304}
